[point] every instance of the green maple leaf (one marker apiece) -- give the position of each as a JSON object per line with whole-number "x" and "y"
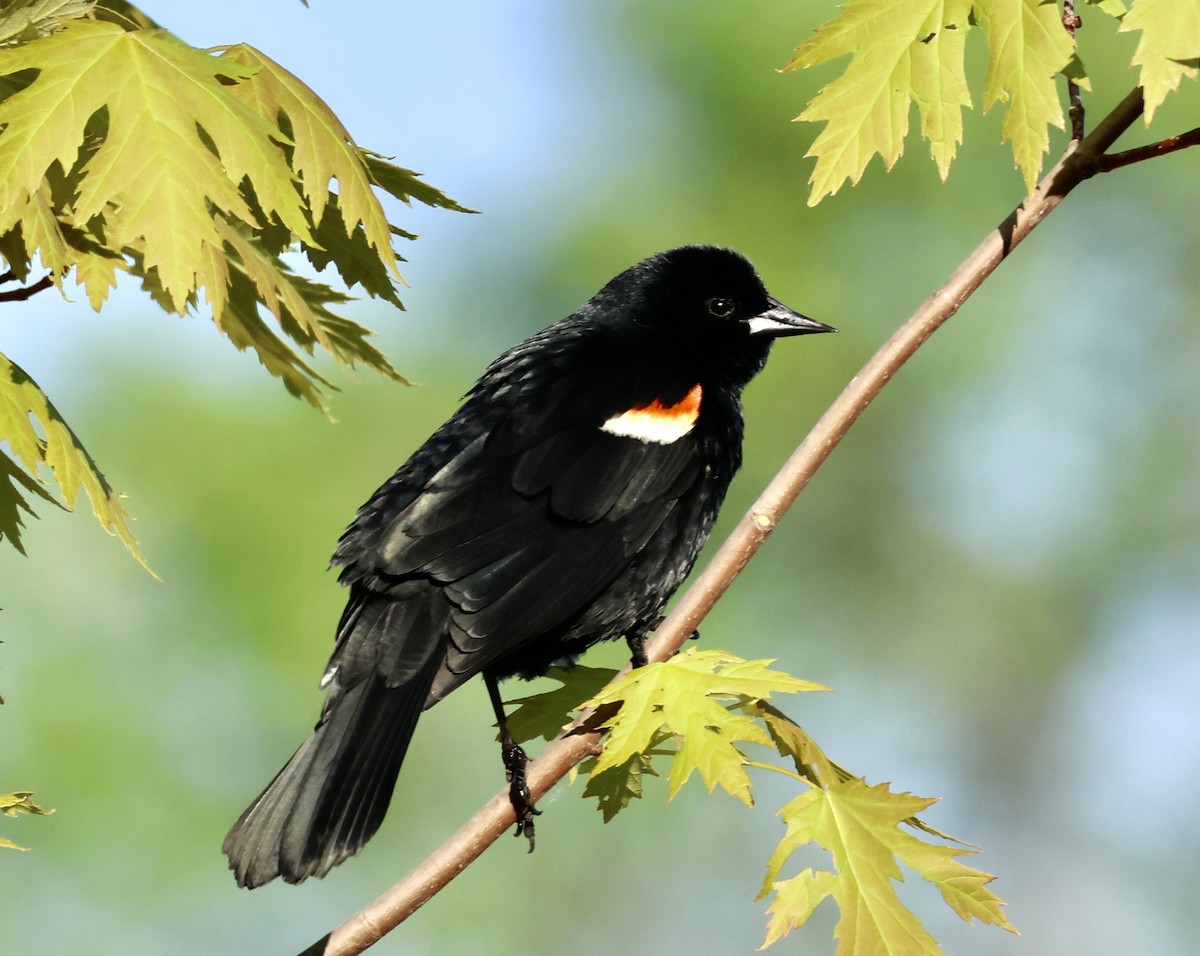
{"x": 615, "y": 787}
{"x": 901, "y": 51}
{"x": 12, "y": 503}
{"x": 38, "y": 436}
{"x": 679, "y": 698}
{"x": 321, "y": 151}
{"x": 792, "y": 741}
{"x": 27, "y": 19}
{"x": 794, "y": 902}
{"x": 123, "y": 150}
{"x": 1027, "y": 49}
{"x": 911, "y": 51}
{"x": 544, "y": 715}
{"x": 860, "y": 826}
{"x": 1168, "y": 49}
{"x": 153, "y": 176}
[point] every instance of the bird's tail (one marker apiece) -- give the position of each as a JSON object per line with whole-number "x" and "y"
{"x": 330, "y": 798}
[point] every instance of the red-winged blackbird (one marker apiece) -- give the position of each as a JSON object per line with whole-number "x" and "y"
{"x": 561, "y": 505}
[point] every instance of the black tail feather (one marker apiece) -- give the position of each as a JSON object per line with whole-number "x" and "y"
{"x": 331, "y": 797}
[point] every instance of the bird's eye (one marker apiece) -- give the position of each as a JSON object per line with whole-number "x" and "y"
{"x": 721, "y": 308}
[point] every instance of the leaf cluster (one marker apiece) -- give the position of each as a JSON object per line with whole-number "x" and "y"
{"x": 905, "y": 52}
{"x": 702, "y": 709}
{"x": 125, "y": 151}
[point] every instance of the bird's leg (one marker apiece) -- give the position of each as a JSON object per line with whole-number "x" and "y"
{"x": 515, "y": 761}
{"x": 637, "y": 641}
{"x": 637, "y": 648}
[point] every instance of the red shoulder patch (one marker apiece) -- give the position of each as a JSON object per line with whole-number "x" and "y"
{"x": 656, "y": 421}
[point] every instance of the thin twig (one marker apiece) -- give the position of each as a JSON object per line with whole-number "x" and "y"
{"x": 25, "y": 291}
{"x": 1111, "y": 161}
{"x": 1071, "y": 22}
{"x": 582, "y": 739}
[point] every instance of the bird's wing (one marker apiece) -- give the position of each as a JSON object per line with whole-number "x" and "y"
{"x": 518, "y": 534}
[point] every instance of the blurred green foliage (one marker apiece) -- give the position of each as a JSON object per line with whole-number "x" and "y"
{"x": 997, "y": 571}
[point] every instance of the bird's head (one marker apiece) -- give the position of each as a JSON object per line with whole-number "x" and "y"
{"x": 705, "y": 304}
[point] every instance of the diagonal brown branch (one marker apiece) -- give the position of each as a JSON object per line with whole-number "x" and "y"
{"x": 581, "y": 740}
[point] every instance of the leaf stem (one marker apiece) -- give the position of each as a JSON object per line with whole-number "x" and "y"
{"x": 1071, "y": 22}
{"x": 783, "y": 770}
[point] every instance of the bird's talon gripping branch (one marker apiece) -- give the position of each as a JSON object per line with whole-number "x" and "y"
{"x": 515, "y": 762}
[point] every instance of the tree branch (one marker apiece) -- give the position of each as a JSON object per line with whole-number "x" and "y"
{"x": 1113, "y": 161}
{"x": 582, "y": 739}
{"x": 25, "y": 291}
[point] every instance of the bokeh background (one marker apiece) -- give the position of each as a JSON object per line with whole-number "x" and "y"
{"x": 998, "y": 570}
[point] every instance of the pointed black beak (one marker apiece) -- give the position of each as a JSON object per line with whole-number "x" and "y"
{"x": 778, "y": 320}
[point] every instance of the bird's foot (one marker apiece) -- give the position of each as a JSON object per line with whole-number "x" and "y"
{"x": 637, "y": 641}
{"x": 515, "y": 762}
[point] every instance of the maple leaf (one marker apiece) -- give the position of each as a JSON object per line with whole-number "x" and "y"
{"x": 860, "y": 825}
{"x": 1027, "y": 49}
{"x": 123, "y": 150}
{"x": 904, "y": 52}
{"x": 545, "y": 714}
{"x": 795, "y": 900}
{"x": 27, "y": 19}
{"x": 321, "y": 151}
{"x": 1168, "y": 49}
{"x": 615, "y": 787}
{"x": 678, "y": 698}
{"x": 153, "y": 174}
{"x": 38, "y": 436}
{"x": 901, "y": 51}
{"x": 12, "y": 503}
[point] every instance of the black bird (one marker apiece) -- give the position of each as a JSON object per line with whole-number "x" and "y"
{"x": 561, "y": 505}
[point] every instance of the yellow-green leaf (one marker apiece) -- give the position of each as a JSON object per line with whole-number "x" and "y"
{"x": 26, "y": 19}
{"x": 97, "y": 273}
{"x": 175, "y": 141}
{"x": 791, "y": 740}
{"x": 939, "y": 84}
{"x": 544, "y": 715}
{"x": 616, "y": 787}
{"x": 12, "y": 503}
{"x": 861, "y": 827}
{"x": 679, "y": 698}
{"x": 252, "y": 276}
{"x": 38, "y": 436}
{"x": 964, "y": 888}
{"x": 1168, "y": 49}
{"x": 795, "y": 900}
{"x": 901, "y": 51}
{"x": 1027, "y": 49}
{"x": 322, "y": 150}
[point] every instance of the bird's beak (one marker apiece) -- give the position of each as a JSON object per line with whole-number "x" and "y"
{"x": 778, "y": 320}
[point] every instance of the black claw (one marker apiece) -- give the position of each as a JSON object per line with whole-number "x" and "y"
{"x": 515, "y": 761}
